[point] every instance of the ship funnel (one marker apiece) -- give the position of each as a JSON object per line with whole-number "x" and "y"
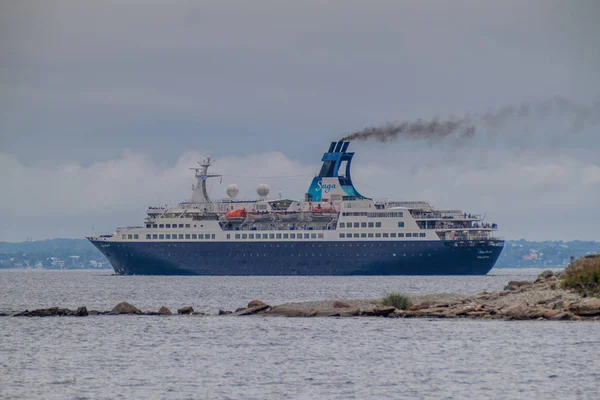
{"x": 334, "y": 181}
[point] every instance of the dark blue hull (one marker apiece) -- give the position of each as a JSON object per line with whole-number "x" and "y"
{"x": 300, "y": 258}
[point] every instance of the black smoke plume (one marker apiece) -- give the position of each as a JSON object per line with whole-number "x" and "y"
{"x": 573, "y": 117}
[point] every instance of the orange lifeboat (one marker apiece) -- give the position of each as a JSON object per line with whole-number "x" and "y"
{"x": 236, "y": 214}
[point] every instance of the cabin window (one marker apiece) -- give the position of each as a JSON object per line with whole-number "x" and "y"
{"x": 292, "y": 236}
{"x": 402, "y": 235}
{"x": 148, "y": 225}
{"x": 251, "y": 236}
{"x": 306, "y": 236}
{"x": 286, "y": 235}
{"x": 271, "y": 236}
{"x": 244, "y": 236}
{"x": 237, "y": 235}
{"x": 363, "y": 235}
{"x": 370, "y": 235}
{"x": 363, "y": 224}
{"x": 377, "y": 224}
{"x": 154, "y": 226}
{"x": 212, "y": 236}
{"x": 278, "y": 236}
{"x": 195, "y": 236}
{"x": 187, "y": 225}
{"x": 400, "y": 224}
{"x": 386, "y": 235}
{"x": 155, "y": 236}
{"x": 321, "y": 236}
{"x": 421, "y": 235}
{"x": 392, "y": 235}
{"x": 187, "y": 236}
{"x": 129, "y": 236}
{"x": 228, "y": 236}
{"x": 181, "y": 236}
{"x": 168, "y": 236}
{"x": 201, "y": 236}
{"x": 356, "y": 235}
{"x": 371, "y": 225}
{"x": 136, "y": 236}
{"x": 378, "y": 235}
{"x": 313, "y": 235}
{"x": 342, "y": 235}
{"x": 167, "y": 225}
{"x": 357, "y": 225}
{"x": 161, "y": 236}
{"x": 148, "y": 236}
{"x": 161, "y": 226}
{"x": 342, "y": 225}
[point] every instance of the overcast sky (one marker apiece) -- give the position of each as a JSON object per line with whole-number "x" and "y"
{"x": 104, "y": 106}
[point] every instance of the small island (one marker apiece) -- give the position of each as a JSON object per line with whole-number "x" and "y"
{"x": 571, "y": 295}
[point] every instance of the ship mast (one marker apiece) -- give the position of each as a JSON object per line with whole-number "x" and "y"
{"x": 201, "y": 176}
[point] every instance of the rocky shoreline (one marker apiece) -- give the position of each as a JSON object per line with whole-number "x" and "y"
{"x": 541, "y": 299}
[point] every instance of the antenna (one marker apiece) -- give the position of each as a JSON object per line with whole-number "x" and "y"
{"x": 202, "y": 175}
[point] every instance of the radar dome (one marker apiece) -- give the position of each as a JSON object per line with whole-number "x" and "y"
{"x": 232, "y": 191}
{"x": 262, "y": 190}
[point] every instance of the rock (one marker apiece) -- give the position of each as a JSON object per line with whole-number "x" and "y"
{"x": 164, "y": 311}
{"x": 46, "y": 312}
{"x": 223, "y": 312}
{"x": 81, "y": 312}
{"x": 150, "y": 313}
{"x": 187, "y": 310}
{"x": 252, "y": 310}
{"x": 586, "y": 308}
{"x": 516, "y": 285}
{"x": 545, "y": 274}
{"x": 286, "y": 311}
{"x": 256, "y": 303}
{"x": 550, "y": 314}
{"x": 335, "y": 315}
{"x": 523, "y": 312}
{"x": 125, "y": 308}
{"x": 341, "y": 304}
{"x": 562, "y": 316}
{"x": 93, "y": 312}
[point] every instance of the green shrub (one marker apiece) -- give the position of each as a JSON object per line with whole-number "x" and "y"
{"x": 583, "y": 276}
{"x": 396, "y": 300}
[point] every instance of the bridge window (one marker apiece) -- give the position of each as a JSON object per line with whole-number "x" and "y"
{"x": 148, "y": 225}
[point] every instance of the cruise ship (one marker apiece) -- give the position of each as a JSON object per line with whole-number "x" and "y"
{"x": 335, "y": 230}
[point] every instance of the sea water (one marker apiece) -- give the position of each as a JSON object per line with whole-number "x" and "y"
{"x": 109, "y": 357}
